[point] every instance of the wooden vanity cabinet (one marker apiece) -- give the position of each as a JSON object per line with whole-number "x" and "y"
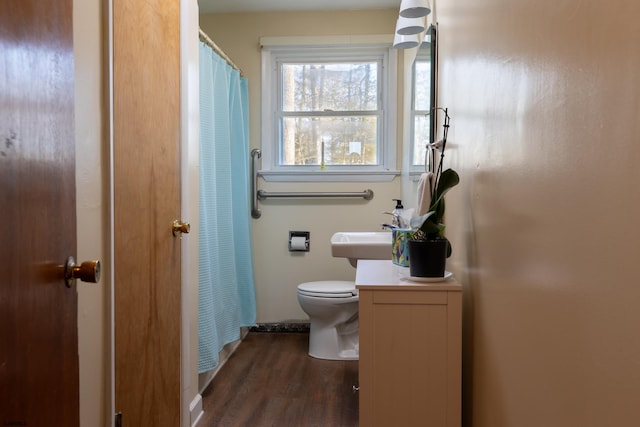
{"x": 410, "y": 353}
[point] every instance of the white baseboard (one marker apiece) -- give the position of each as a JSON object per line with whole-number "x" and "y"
{"x": 195, "y": 408}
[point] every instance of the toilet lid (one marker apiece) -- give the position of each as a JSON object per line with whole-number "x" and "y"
{"x": 329, "y": 289}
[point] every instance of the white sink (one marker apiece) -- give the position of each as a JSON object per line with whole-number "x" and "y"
{"x": 356, "y": 245}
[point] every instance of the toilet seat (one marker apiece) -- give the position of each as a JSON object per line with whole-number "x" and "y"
{"x": 328, "y": 289}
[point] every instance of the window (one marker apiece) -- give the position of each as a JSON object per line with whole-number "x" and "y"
{"x": 327, "y": 113}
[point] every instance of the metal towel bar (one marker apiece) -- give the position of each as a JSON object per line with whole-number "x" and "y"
{"x": 262, "y": 194}
{"x": 366, "y": 194}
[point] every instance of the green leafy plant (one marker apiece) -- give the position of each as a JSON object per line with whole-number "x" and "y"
{"x": 430, "y": 225}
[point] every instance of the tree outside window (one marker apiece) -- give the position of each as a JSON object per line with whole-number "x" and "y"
{"x": 330, "y": 113}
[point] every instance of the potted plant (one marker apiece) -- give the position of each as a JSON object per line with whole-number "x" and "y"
{"x": 428, "y": 247}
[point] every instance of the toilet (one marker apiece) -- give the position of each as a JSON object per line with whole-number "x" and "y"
{"x": 332, "y": 307}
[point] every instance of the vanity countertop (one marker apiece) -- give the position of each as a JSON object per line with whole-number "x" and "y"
{"x": 381, "y": 274}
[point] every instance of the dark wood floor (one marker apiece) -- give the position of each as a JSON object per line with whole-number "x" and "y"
{"x": 271, "y": 381}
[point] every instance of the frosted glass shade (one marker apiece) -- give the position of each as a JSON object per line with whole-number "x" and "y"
{"x": 414, "y": 8}
{"x": 406, "y": 42}
{"x": 407, "y": 26}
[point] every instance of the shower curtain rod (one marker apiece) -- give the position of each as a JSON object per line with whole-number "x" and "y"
{"x": 207, "y": 40}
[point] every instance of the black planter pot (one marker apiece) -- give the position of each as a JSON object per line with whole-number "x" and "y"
{"x": 427, "y": 258}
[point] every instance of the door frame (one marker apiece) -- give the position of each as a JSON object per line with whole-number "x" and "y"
{"x": 190, "y": 179}
{"x": 92, "y": 205}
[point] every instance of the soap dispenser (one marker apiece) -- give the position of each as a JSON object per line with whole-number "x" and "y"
{"x": 399, "y": 236}
{"x": 397, "y": 213}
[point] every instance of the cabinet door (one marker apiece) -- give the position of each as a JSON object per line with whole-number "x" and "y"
{"x": 404, "y": 359}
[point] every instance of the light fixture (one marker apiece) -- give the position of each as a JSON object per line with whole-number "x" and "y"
{"x": 406, "y": 26}
{"x": 414, "y": 8}
{"x": 406, "y": 41}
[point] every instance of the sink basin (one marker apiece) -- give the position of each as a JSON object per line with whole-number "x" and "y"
{"x": 356, "y": 245}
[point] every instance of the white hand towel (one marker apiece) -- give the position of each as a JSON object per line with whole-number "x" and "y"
{"x": 424, "y": 193}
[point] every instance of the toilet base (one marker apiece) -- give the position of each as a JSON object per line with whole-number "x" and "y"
{"x": 335, "y": 343}
{"x": 332, "y": 307}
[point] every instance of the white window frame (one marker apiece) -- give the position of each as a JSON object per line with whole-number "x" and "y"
{"x": 356, "y": 48}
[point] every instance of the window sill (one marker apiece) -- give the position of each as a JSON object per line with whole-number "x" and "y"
{"x": 328, "y": 176}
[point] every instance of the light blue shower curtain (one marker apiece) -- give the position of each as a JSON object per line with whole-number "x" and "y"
{"x": 226, "y": 283}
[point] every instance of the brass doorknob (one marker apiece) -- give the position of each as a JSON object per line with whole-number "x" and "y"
{"x": 88, "y": 271}
{"x": 180, "y": 227}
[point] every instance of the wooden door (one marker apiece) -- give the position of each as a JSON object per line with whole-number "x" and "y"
{"x": 38, "y": 326}
{"x": 146, "y": 169}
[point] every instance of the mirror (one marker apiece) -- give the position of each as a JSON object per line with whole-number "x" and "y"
{"x": 423, "y": 100}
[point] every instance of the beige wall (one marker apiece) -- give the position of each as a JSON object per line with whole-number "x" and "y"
{"x": 92, "y": 213}
{"x": 277, "y": 271}
{"x": 544, "y": 98}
